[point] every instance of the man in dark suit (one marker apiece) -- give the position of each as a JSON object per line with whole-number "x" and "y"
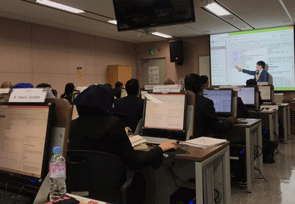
{"x": 260, "y": 75}
{"x": 117, "y": 89}
{"x": 130, "y": 105}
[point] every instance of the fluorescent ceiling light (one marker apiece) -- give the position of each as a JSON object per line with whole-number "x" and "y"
{"x": 161, "y": 35}
{"x": 217, "y": 9}
{"x": 112, "y": 22}
{"x": 59, "y": 6}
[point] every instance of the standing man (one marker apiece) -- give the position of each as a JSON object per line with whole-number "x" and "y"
{"x": 261, "y": 75}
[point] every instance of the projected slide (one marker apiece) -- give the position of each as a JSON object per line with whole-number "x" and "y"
{"x": 274, "y": 46}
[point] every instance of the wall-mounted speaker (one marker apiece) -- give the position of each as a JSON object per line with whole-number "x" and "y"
{"x": 176, "y": 51}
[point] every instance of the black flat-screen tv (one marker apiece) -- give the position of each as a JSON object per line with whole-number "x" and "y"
{"x": 138, "y": 14}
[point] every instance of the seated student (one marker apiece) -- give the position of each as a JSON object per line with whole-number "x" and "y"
{"x": 45, "y": 85}
{"x": 6, "y": 84}
{"x": 253, "y": 82}
{"x": 117, "y": 89}
{"x": 169, "y": 81}
{"x": 204, "y": 80}
{"x": 242, "y": 109}
{"x": 23, "y": 85}
{"x": 96, "y": 129}
{"x": 109, "y": 85}
{"x": 206, "y": 122}
{"x": 130, "y": 105}
{"x": 68, "y": 94}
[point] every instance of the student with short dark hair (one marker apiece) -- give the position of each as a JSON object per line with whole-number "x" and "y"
{"x": 260, "y": 75}
{"x": 206, "y": 122}
{"x": 43, "y": 85}
{"x": 204, "y": 81}
{"x": 117, "y": 89}
{"x": 130, "y": 105}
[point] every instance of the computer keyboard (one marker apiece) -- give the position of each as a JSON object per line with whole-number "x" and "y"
{"x": 7, "y": 197}
{"x": 156, "y": 140}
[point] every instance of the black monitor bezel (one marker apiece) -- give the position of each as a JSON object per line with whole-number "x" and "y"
{"x": 167, "y": 130}
{"x": 232, "y": 102}
{"x": 25, "y": 179}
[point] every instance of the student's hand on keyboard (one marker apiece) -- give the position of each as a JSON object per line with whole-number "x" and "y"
{"x": 165, "y": 146}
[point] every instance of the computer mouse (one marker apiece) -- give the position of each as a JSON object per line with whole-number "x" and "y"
{"x": 171, "y": 150}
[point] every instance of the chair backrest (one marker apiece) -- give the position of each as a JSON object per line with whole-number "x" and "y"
{"x": 99, "y": 174}
{"x": 127, "y": 121}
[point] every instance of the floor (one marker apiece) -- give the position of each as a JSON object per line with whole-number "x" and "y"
{"x": 280, "y": 188}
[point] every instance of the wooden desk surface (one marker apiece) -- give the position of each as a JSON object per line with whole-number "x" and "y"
{"x": 263, "y": 112}
{"x": 250, "y": 122}
{"x": 197, "y": 154}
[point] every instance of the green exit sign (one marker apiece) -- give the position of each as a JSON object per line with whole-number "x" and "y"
{"x": 152, "y": 51}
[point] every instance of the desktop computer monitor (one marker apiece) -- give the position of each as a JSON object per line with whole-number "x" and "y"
{"x": 266, "y": 93}
{"x": 165, "y": 114}
{"x": 142, "y": 94}
{"x": 247, "y": 94}
{"x": 123, "y": 93}
{"x": 24, "y": 142}
{"x": 222, "y": 99}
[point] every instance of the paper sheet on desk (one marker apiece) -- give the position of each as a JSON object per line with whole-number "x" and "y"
{"x": 203, "y": 142}
{"x": 86, "y": 200}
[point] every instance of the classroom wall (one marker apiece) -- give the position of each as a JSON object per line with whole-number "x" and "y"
{"x": 193, "y": 49}
{"x": 40, "y": 54}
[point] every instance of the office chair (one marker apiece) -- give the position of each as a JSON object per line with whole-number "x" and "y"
{"x": 139, "y": 127}
{"x": 99, "y": 174}
{"x": 127, "y": 120}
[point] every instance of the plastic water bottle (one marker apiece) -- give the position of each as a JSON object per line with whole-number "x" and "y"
{"x": 57, "y": 174}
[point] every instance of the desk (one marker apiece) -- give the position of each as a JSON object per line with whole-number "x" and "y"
{"x": 252, "y": 127}
{"x": 284, "y": 116}
{"x": 252, "y": 135}
{"x": 269, "y": 121}
{"x": 214, "y": 160}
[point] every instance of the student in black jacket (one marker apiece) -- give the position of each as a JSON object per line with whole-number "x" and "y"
{"x": 96, "y": 129}
{"x": 206, "y": 121}
{"x": 117, "y": 89}
{"x": 130, "y": 105}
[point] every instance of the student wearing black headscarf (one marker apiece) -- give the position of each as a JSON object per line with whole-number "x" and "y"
{"x": 96, "y": 129}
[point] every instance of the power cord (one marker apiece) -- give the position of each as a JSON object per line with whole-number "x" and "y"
{"x": 217, "y": 196}
{"x": 256, "y": 155}
{"x": 260, "y": 174}
{"x": 22, "y": 189}
{"x": 174, "y": 176}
